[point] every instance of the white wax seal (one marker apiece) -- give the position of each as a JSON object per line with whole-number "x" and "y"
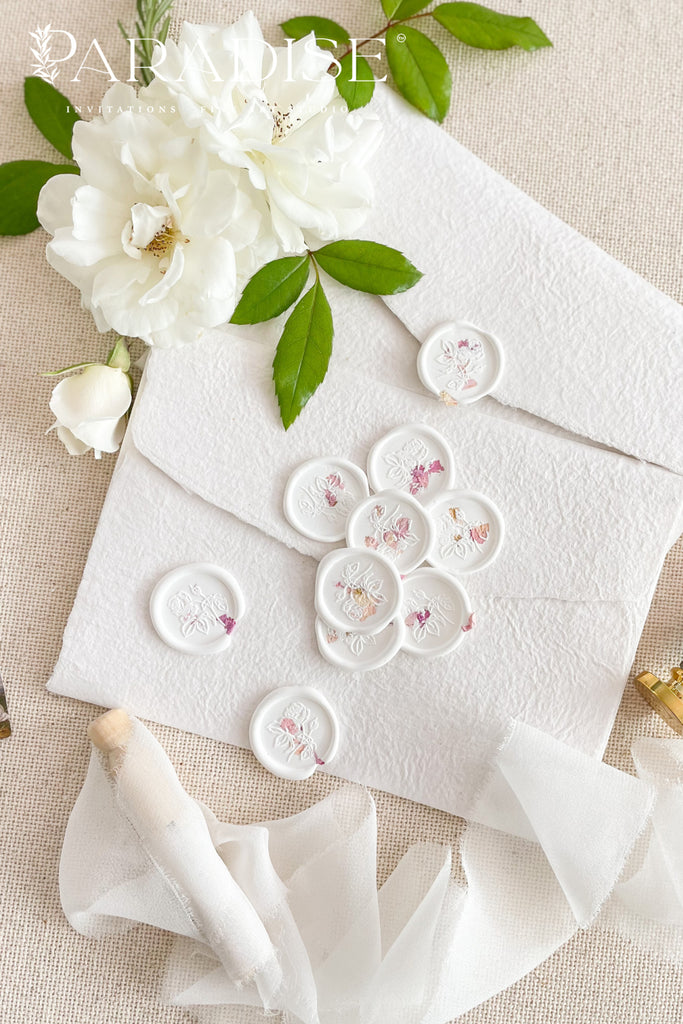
{"x": 414, "y": 459}
{"x": 357, "y": 590}
{"x": 293, "y": 731}
{"x": 196, "y": 608}
{"x": 359, "y": 652}
{"x": 393, "y": 524}
{"x": 436, "y": 612}
{"x": 320, "y": 494}
{"x": 460, "y": 363}
{"x": 469, "y": 532}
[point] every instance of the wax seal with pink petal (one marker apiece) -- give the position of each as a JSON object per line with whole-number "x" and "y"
{"x": 460, "y": 363}
{"x": 357, "y": 590}
{"x": 320, "y": 494}
{"x": 293, "y": 731}
{"x": 469, "y": 532}
{"x": 436, "y": 612}
{"x": 395, "y": 525}
{"x": 197, "y": 608}
{"x": 359, "y": 652}
{"x": 414, "y": 459}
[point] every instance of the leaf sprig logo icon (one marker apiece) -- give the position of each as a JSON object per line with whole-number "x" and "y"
{"x": 45, "y": 68}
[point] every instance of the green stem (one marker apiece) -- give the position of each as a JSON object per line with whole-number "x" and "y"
{"x": 382, "y": 31}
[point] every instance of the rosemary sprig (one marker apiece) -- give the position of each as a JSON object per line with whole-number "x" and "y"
{"x": 152, "y": 25}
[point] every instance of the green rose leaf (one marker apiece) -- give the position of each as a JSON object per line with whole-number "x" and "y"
{"x": 325, "y": 30}
{"x": 420, "y": 70}
{"x": 488, "y": 30}
{"x": 272, "y": 290}
{"x": 403, "y": 8}
{"x": 303, "y": 353}
{"x": 20, "y": 185}
{"x": 52, "y": 114}
{"x": 368, "y": 267}
{"x": 359, "y": 92}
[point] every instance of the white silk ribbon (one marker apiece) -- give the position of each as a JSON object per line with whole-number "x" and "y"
{"x": 286, "y": 916}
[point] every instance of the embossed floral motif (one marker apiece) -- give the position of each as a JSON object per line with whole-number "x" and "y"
{"x": 461, "y": 362}
{"x": 293, "y": 732}
{"x": 198, "y": 612}
{"x": 427, "y": 616}
{"x": 460, "y": 537}
{"x": 326, "y": 496}
{"x": 411, "y": 466}
{"x": 356, "y": 642}
{"x": 359, "y": 593}
{"x": 392, "y": 532}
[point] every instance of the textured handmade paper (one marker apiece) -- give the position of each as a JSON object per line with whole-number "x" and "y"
{"x": 558, "y": 614}
{"x": 589, "y": 344}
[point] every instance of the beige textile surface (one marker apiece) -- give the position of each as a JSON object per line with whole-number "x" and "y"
{"x": 591, "y": 129}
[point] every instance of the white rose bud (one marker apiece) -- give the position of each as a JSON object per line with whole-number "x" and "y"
{"x": 90, "y": 408}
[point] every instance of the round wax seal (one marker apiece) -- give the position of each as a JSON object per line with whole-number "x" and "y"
{"x": 359, "y": 652}
{"x": 196, "y": 608}
{"x": 414, "y": 459}
{"x": 436, "y": 612}
{"x": 395, "y": 526}
{"x": 469, "y": 532}
{"x": 293, "y": 731}
{"x": 320, "y": 494}
{"x": 460, "y": 363}
{"x": 357, "y": 590}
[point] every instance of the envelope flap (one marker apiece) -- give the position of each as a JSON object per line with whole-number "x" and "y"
{"x": 590, "y": 345}
{"x": 581, "y": 523}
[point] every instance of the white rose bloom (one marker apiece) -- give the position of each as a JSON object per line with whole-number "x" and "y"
{"x": 159, "y": 235}
{"x": 90, "y": 408}
{"x": 276, "y": 114}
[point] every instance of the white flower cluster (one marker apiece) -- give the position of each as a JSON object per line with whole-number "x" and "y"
{"x": 236, "y": 152}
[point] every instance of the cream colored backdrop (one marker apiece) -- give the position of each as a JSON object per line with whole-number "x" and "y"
{"x": 591, "y": 129}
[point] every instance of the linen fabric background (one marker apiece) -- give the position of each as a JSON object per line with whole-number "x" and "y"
{"x": 591, "y": 130}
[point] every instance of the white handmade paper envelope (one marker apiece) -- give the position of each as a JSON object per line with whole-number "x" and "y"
{"x": 204, "y": 466}
{"x": 201, "y": 478}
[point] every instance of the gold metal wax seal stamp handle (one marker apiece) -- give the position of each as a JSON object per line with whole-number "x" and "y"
{"x": 665, "y": 697}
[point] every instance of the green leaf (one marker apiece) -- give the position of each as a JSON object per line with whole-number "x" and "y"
{"x": 325, "y": 30}
{"x": 420, "y": 70}
{"x": 368, "y": 267}
{"x": 303, "y": 353}
{"x": 359, "y": 92}
{"x": 272, "y": 290}
{"x": 403, "y": 8}
{"x": 488, "y": 30}
{"x": 119, "y": 357}
{"x": 20, "y": 185}
{"x": 52, "y": 114}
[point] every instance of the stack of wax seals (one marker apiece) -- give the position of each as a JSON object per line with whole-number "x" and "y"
{"x": 460, "y": 363}
{"x": 376, "y": 596}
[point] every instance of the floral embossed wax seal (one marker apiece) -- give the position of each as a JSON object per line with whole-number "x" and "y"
{"x": 196, "y": 608}
{"x": 293, "y": 731}
{"x": 460, "y": 363}
{"x": 414, "y": 459}
{"x": 357, "y": 590}
{"x": 320, "y": 494}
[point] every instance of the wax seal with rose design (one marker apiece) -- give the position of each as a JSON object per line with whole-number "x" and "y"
{"x": 196, "y": 608}
{"x": 293, "y": 731}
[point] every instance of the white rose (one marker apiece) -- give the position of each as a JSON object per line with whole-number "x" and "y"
{"x": 159, "y": 235}
{"x": 90, "y": 408}
{"x": 274, "y": 114}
